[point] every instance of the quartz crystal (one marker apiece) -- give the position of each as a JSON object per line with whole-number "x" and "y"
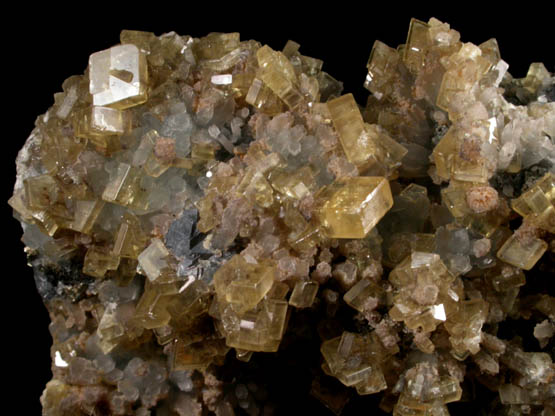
{"x": 212, "y": 220}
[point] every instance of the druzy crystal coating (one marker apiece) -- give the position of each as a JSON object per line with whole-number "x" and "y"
{"x": 188, "y": 204}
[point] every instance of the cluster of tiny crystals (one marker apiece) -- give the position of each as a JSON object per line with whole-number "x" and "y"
{"x": 186, "y": 200}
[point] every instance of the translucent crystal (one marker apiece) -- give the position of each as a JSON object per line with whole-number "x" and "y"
{"x": 523, "y": 253}
{"x": 278, "y": 74}
{"x": 118, "y": 77}
{"x": 98, "y": 261}
{"x": 354, "y": 360}
{"x": 303, "y": 294}
{"x": 417, "y": 45}
{"x": 364, "y": 295}
{"x": 425, "y": 295}
{"x": 243, "y": 284}
{"x": 351, "y": 207}
{"x": 154, "y": 259}
{"x": 538, "y": 203}
{"x": 465, "y": 326}
{"x": 259, "y": 329}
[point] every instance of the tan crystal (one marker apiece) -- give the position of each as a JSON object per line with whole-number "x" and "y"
{"x": 416, "y": 46}
{"x": 98, "y": 261}
{"x": 351, "y": 207}
{"x": 278, "y": 74}
{"x": 522, "y": 253}
{"x": 355, "y": 360}
{"x": 259, "y": 329}
{"x": 118, "y": 77}
{"x": 243, "y": 284}
{"x": 303, "y": 294}
{"x": 425, "y": 295}
{"x": 465, "y": 326}
{"x": 538, "y": 203}
{"x": 364, "y": 295}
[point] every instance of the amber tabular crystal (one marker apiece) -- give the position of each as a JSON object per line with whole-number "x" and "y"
{"x": 351, "y": 207}
{"x": 202, "y": 213}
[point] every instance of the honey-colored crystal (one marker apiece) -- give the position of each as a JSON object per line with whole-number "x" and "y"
{"x": 243, "y": 284}
{"x": 259, "y": 329}
{"x": 303, "y": 294}
{"x": 351, "y": 207}
{"x": 425, "y": 294}
{"x": 98, "y": 261}
{"x": 465, "y": 326}
{"x": 364, "y": 295}
{"x": 416, "y": 46}
{"x": 278, "y": 74}
{"x": 523, "y": 253}
{"x": 354, "y": 360}
{"x": 154, "y": 260}
{"x": 381, "y": 65}
{"x": 118, "y": 77}
{"x": 349, "y": 124}
{"x": 538, "y": 203}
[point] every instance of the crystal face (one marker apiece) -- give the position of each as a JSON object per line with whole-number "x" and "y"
{"x": 205, "y": 215}
{"x": 351, "y": 207}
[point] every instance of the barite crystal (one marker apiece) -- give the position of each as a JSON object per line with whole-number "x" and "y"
{"x": 203, "y": 214}
{"x": 351, "y": 207}
{"x": 118, "y": 77}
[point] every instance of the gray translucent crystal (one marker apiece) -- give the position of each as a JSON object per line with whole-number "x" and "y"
{"x": 182, "y": 379}
{"x": 179, "y": 233}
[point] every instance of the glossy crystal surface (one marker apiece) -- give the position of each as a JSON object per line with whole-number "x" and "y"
{"x": 202, "y": 214}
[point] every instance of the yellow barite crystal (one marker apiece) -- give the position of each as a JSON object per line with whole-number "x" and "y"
{"x": 124, "y": 187}
{"x": 118, "y": 77}
{"x": 351, "y": 207}
{"x": 155, "y": 260}
{"x": 349, "y": 124}
{"x": 130, "y": 238}
{"x": 96, "y": 122}
{"x": 278, "y": 74}
{"x": 416, "y": 46}
{"x": 367, "y": 146}
{"x": 109, "y": 331}
{"x": 190, "y": 301}
{"x": 259, "y": 329}
{"x": 444, "y": 152}
{"x": 463, "y": 70}
{"x": 296, "y": 184}
{"x": 98, "y": 261}
{"x": 151, "y": 311}
{"x": 363, "y": 295}
{"x": 522, "y": 252}
{"x": 85, "y": 214}
{"x": 381, "y": 66}
{"x": 41, "y": 191}
{"x": 303, "y": 294}
{"x": 355, "y": 360}
{"x": 215, "y": 45}
{"x": 243, "y": 284}
{"x": 425, "y": 294}
{"x": 454, "y": 197}
{"x": 538, "y": 203}
{"x": 465, "y": 327}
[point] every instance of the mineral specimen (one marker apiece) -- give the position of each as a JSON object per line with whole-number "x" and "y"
{"x": 204, "y": 214}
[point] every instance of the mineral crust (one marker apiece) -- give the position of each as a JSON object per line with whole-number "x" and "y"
{"x": 192, "y": 208}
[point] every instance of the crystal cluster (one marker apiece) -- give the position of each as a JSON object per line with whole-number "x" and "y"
{"x": 190, "y": 204}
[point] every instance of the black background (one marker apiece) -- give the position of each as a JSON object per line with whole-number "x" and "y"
{"x": 42, "y": 47}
